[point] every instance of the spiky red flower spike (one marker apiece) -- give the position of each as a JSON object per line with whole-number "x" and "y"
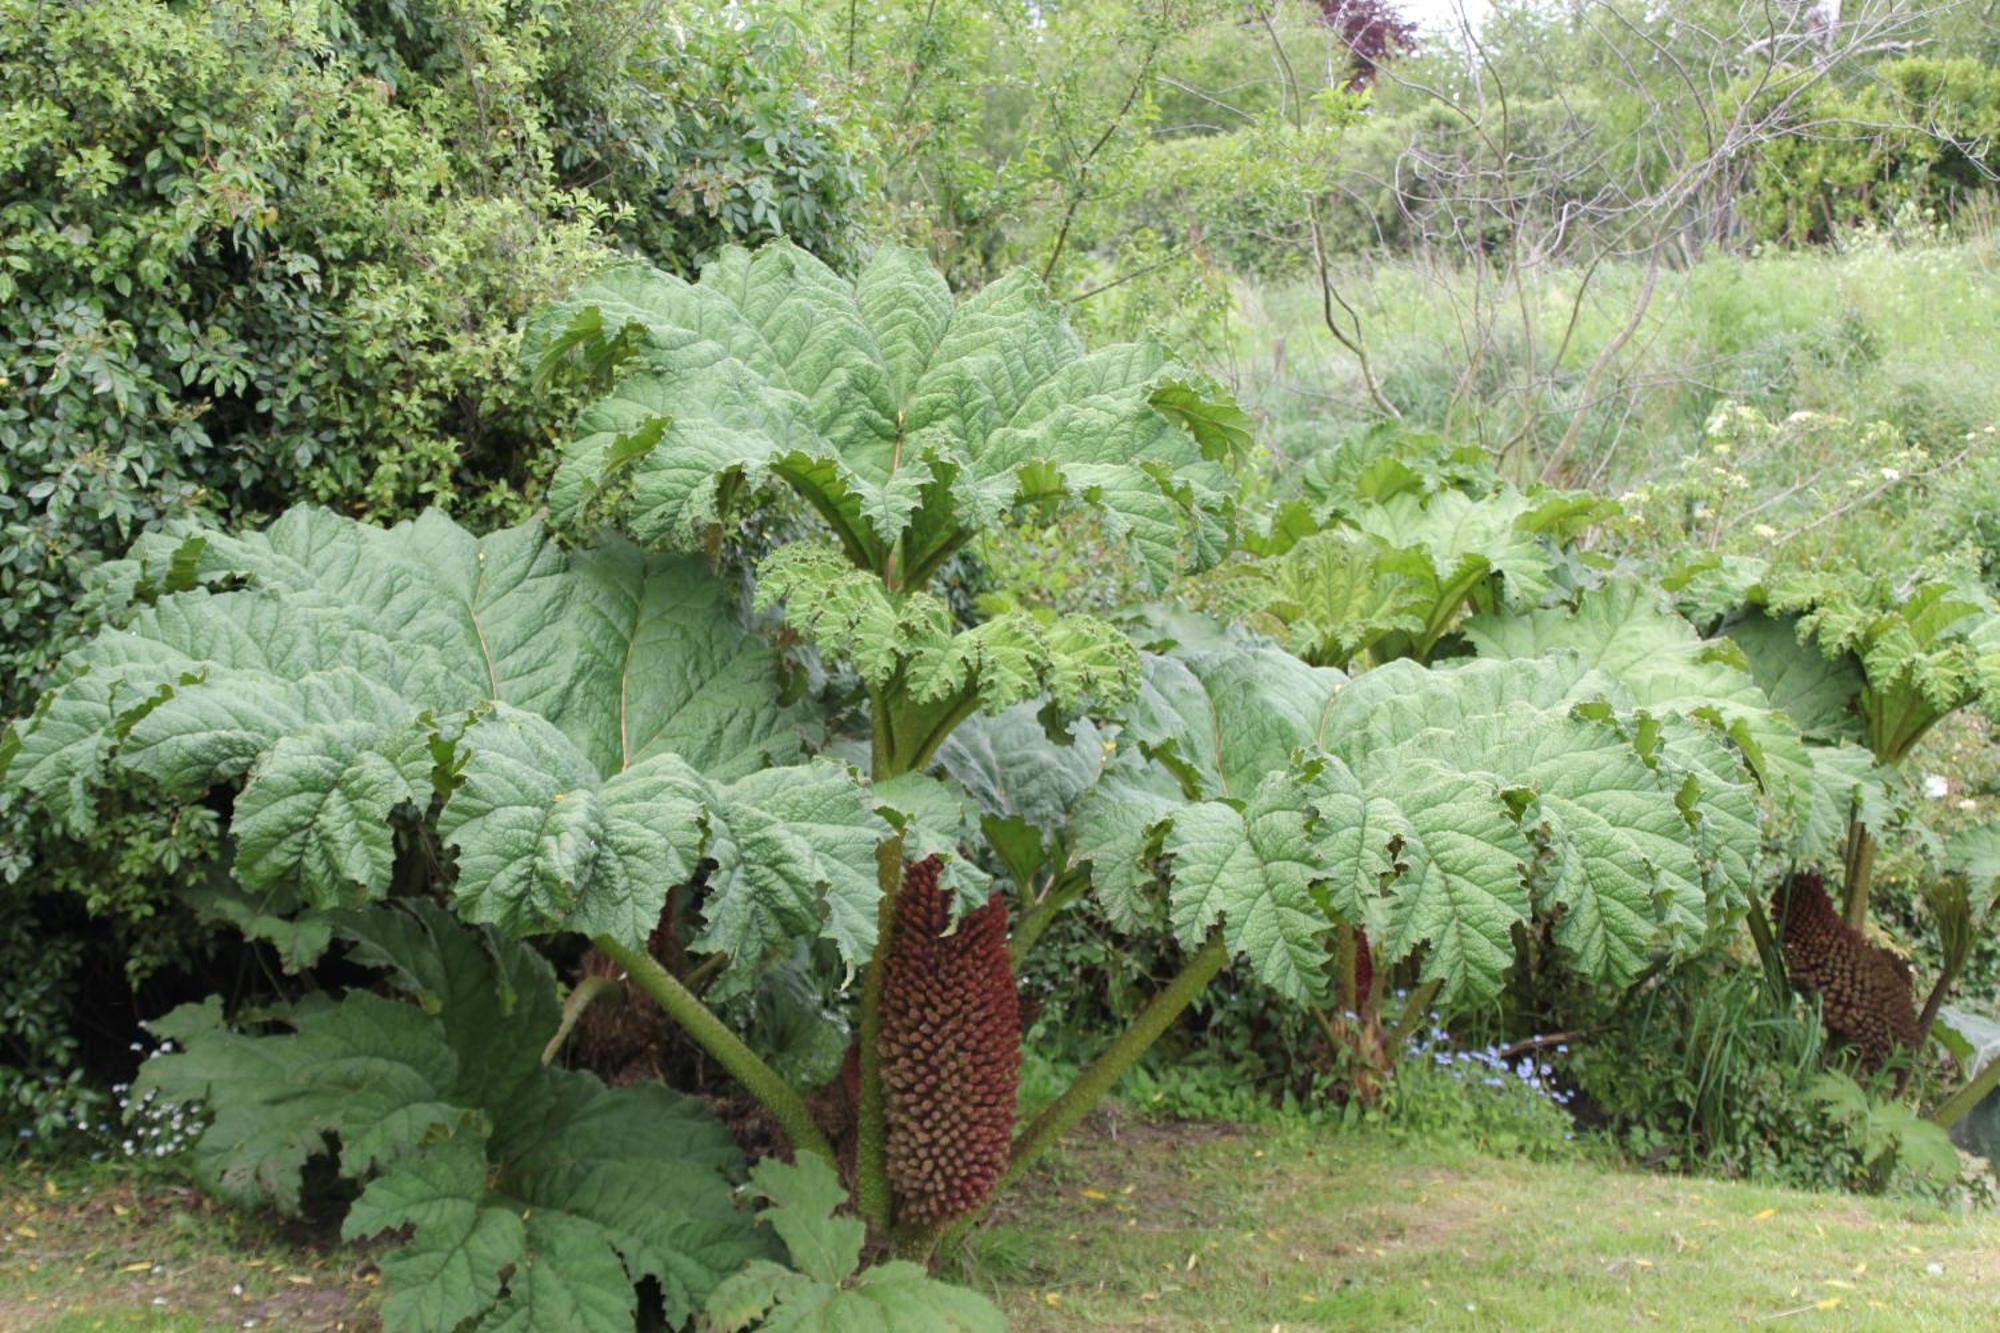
{"x": 951, "y": 1051}
{"x": 1865, "y": 992}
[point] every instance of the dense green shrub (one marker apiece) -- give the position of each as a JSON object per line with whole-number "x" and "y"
{"x": 261, "y": 250}
{"x": 1905, "y": 147}
{"x": 1704, "y": 1071}
{"x": 266, "y": 250}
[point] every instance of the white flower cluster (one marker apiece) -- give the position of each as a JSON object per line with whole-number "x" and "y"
{"x": 156, "y": 1129}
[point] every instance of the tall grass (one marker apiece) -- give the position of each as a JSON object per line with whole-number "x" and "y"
{"x": 1907, "y": 333}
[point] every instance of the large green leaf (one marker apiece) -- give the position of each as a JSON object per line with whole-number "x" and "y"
{"x": 1816, "y": 691}
{"x": 1924, "y": 650}
{"x": 1250, "y": 867}
{"x": 544, "y": 844}
{"x": 1205, "y": 729}
{"x": 1975, "y": 853}
{"x": 537, "y": 1198}
{"x": 377, "y": 1074}
{"x": 1398, "y": 564}
{"x": 1624, "y": 630}
{"x": 1439, "y": 807}
{"x": 1013, "y": 769}
{"x": 904, "y": 420}
{"x": 1620, "y": 857}
{"x": 1023, "y": 782}
{"x": 1336, "y": 595}
{"x": 590, "y": 711}
{"x": 826, "y": 1288}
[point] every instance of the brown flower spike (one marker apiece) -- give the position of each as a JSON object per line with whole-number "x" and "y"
{"x": 951, "y": 1051}
{"x": 1864, "y": 989}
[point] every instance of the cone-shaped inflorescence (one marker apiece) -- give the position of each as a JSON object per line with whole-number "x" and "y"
{"x": 1864, "y": 989}
{"x": 951, "y": 1052}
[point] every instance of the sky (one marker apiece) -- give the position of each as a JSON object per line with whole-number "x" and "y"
{"x": 1437, "y": 15}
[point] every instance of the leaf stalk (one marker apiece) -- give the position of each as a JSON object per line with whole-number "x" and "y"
{"x": 1954, "y": 1107}
{"x": 871, "y": 1157}
{"x": 713, "y": 1035}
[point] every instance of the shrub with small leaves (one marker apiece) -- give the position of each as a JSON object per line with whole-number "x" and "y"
{"x": 259, "y": 251}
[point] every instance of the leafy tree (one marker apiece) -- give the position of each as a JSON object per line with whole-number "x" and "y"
{"x": 1908, "y": 142}
{"x": 1372, "y": 31}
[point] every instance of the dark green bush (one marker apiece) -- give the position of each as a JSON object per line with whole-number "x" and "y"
{"x": 1703, "y": 1072}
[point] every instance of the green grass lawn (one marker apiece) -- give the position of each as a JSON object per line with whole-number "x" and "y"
{"x": 1143, "y": 1226}
{"x": 1199, "y": 1227}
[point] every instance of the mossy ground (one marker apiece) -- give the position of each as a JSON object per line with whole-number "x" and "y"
{"x": 1157, "y": 1227}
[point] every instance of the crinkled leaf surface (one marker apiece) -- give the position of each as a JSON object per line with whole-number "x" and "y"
{"x": 914, "y": 642}
{"x": 1465, "y": 538}
{"x": 1816, "y": 691}
{"x": 1438, "y": 807}
{"x": 1975, "y": 853}
{"x": 537, "y": 1197}
{"x": 1396, "y": 568}
{"x": 1012, "y": 768}
{"x": 1924, "y": 651}
{"x": 822, "y": 1289}
{"x": 544, "y": 844}
{"x": 1022, "y": 782}
{"x": 1205, "y": 729}
{"x": 607, "y": 722}
{"x": 1624, "y": 630}
{"x": 936, "y": 818}
{"x": 904, "y": 418}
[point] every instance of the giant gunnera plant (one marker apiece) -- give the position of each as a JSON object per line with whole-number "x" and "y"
{"x": 583, "y": 727}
